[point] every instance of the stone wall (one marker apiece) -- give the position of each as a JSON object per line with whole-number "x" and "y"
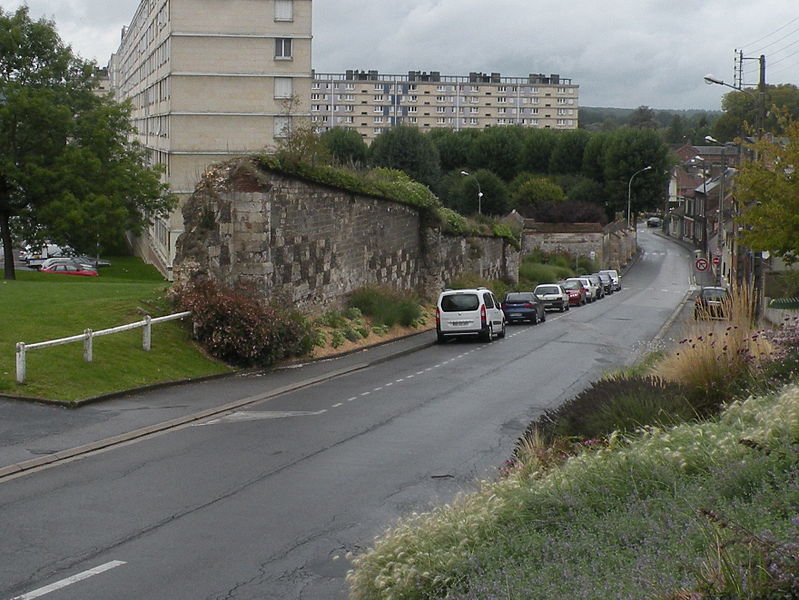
{"x": 612, "y": 245}
{"x": 313, "y": 244}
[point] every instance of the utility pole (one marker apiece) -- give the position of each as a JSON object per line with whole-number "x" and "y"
{"x": 757, "y": 256}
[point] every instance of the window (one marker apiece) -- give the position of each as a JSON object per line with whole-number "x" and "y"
{"x": 378, "y": 119}
{"x": 283, "y": 87}
{"x": 378, "y": 109}
{"x": 441, "y": 109}
{"x": 379, "y": 98}
{"x": 347, "y": 108}
{"x": 502, "y": 99}
{"x": 411, "y": 109}
{"x": 283, "y": 48}
{"x": 378, "y": 130}
{"x": 412, "y": 119}
{"x": 441, "y": 120}
{"x": 440, "y": 99}
{"x": 282, "y": 126}
{"x": 284, "y": 10}
{"x": 348, "y": 97}
{"x": 502, "y": 88}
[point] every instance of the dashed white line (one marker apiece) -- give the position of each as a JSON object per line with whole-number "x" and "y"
{"x": 365, "y": 393}
{"x": 352, "y": 399}
{"x": 70, "y": 580}
{"x": 337, "y": 405}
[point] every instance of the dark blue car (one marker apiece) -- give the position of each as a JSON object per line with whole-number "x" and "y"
{"x": 523, "y": 306}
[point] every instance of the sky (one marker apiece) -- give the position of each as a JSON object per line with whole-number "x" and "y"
{"x": 622, "y": 53}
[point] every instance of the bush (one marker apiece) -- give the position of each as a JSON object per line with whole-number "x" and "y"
{"x": 615, "y": 404}
{"x": 235, "y": 325}
{"x": 386, "y": 307}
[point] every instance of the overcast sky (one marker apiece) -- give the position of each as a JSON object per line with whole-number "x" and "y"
{"x": 622, "y": 53}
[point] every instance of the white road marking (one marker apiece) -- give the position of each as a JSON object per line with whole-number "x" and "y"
{"x": 352, "y": 399}
{"x": 69, "y": 580}
{"x": 365, "y": 393}
{"x": 261, "y": 415}
{"x": 337, "y": 405}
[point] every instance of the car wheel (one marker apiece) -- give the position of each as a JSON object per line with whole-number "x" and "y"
{"x": 563, "y": 308}
{"x": 440, "y": 338}
{"x": 534, "y": 320}
{"x": 543, "y": 316}
{"x": 502, "y": 332}
{"x": 488, "y": 334}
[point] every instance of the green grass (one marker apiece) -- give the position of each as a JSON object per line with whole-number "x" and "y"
{"x": 37, "y": 307}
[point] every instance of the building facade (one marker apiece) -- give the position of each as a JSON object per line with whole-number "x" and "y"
{"x": 370, "y": 102}
{"x": 210, "y": 79}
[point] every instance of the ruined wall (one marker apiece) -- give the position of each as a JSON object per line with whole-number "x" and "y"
{"x": 314, "y": 244}
{"x": 612, "y": 245}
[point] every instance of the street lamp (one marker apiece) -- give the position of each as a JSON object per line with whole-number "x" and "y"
{"x": 479, "y": 192}
{"x": 629, "y": 190}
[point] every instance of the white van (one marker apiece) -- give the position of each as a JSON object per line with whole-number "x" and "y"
{"x": 615, "y": 278}
{"x": 469, "y": 312}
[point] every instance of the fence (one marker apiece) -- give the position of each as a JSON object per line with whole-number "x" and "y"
{"x": 88, "y": 336}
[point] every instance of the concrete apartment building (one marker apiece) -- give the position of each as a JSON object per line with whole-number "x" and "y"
{"x": 210, "y": 79}
{"x": 370, "y": 102}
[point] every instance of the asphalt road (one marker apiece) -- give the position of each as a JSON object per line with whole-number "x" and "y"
{"x": 265, "y": 500}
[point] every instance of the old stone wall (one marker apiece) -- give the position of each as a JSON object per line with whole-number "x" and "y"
{"x": 313, "y": 244}
{"x": 612, "y": 245}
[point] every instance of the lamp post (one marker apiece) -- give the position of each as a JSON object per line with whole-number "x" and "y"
{"x": 479, "y": 192}
{"x": 630, "y": 188}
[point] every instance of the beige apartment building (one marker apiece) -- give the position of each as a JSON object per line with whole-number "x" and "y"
{"x": 370, "y": 102}
{"x": 210, "y": 79}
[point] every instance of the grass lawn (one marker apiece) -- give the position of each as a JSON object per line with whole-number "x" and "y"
{"x": 37, "y": 307}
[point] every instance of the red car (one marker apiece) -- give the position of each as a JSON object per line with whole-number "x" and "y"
{"x": 576, "y": 291}
{"x": 71, "y": 269}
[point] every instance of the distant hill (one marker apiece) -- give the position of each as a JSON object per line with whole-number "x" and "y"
{"x": 595, "y": 117}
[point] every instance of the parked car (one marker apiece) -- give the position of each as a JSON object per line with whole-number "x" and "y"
{"x": 552, "y": 295}
{"x": 70, "y": 269}
{"x": 64, "y": 260}
{"x": 576, "y": 291}
{"x": 469, "y": 312}
{"x": 523, "y": 306}
{"x": 607, "y": 282}
{"x": 653, "y": 222}
{"x": 712, "y": 302}
{"x": 598, "y": 282}
{"x": 614, "y": 276}
{"x": 591, "y": 289}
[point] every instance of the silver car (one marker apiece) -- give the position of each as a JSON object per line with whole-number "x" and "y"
{"x": 552, "y": 295}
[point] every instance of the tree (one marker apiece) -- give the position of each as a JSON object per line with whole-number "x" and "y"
{"x": 463, "y": 190}
{"x": 497, "y": 149}
{"x": 346, "y": 146}
{"x": 567, "y": 156}
{"x": 628, "y": 151}
{"x": 643, "y": 117}
{"x": 407, "y": 149}
{"x": 454, "y": 147}
{"x": 768, "y": 192}
{"x": 537, "y": 147}
{"x": 67, "y": 170}
{"x": 529, "y": 192}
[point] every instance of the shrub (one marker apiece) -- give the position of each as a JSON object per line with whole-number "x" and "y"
{"x": 235, "y": 325}
{"x": 386, "y": 307}
{"x": 615, "y": 404}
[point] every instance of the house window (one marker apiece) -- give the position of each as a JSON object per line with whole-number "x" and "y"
{"x": 379, "y": 98}
{"x": 282, "y": 126}
{"x": 284, "y": 10}
{"x": 412, "y": 119}
{"x": 283, "y": 88}
{"x": 411, "y": 109}
{"x": 441, "y": 109}
{"x": 283, "y": 48}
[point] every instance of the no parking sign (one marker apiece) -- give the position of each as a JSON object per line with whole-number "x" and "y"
{"x": 701, "y": 264}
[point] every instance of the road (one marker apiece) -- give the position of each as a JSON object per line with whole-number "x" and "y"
{"x": 264, "y": 502}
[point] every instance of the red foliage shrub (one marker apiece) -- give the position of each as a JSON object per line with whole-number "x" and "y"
{"x": 235, "y": 325}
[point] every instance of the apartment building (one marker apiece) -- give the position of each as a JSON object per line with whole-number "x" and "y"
{"x": 210, "y": 79}
{"x": 370, "y": 102}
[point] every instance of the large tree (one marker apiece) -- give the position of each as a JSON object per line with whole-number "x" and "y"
{"x": 767, "y": 191}
{"x": 346, "y": 146}
{"x": 407, "y": 149}
{"x": 67, "y": 170}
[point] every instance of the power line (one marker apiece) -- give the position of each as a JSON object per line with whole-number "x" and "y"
{"x": 773, "y": 32}
{"x": 778, "y": 40}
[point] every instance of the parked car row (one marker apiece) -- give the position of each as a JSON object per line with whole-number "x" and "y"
{"x": 49, "y": 256}
{"x": 476, "y": 312}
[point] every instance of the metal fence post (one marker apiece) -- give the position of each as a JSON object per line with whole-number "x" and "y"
{"x": 147, "y": 335}
{"x": 87, "y": 345}
{"x": 20, "y": 362}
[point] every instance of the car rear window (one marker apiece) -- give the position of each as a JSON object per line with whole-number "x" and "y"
{"x": 712, "y": 294}
{"x": 458, "y": 302}
{"x": 519, "y": 297}
{"x": 572, "y": 285}
{"x": 547, "y": 290}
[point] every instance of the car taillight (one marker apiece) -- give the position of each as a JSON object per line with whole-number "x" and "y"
{"x": 504, "y": 305}
{"x": 438, "y": 316}
{"x": 529, "y": 305}
{"x": 483, "y": 319}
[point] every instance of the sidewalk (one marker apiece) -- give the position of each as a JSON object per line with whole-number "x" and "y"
{"x": 32, "y": 435}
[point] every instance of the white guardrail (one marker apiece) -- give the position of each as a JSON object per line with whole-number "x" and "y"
{"x": 88, "y": 336}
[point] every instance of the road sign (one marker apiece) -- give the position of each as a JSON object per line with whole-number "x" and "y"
{"x": 701, "y": 264}
{"x": 717, "y": 260}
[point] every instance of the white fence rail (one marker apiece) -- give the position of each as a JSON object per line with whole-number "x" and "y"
{"x": 88, "y": 337}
